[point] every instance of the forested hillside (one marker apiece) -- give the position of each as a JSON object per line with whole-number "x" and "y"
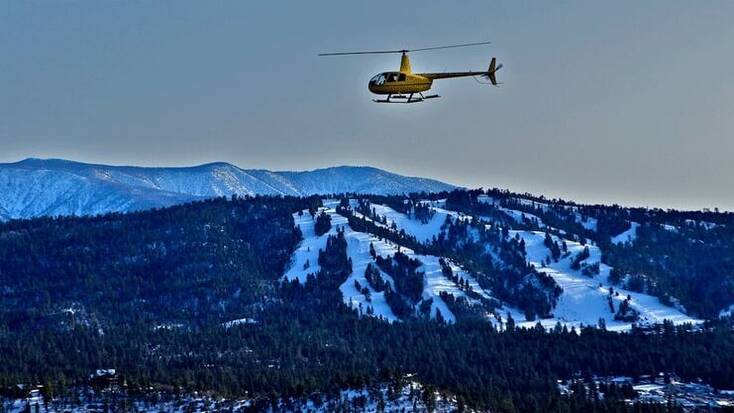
{"x": 488, "y": 296}
{"x": 191, "y": 264}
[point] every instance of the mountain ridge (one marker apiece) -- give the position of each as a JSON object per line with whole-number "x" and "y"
{"x": 40, "y": 187}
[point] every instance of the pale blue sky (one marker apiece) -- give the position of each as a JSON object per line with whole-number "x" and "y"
{"x": 629, "y": 102}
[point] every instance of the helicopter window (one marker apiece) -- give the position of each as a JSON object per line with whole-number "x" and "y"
{"x": 392, "y": 77}
{"x": 401, "y": 77}
{"x": 378, "y": 79}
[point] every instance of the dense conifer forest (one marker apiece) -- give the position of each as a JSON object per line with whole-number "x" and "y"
{"x": 153, "y": 294}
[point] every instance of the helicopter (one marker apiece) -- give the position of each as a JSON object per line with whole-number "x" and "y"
{"x": 402, "y": 86}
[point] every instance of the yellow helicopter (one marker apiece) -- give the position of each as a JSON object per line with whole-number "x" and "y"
{"x": 403, "y": 85}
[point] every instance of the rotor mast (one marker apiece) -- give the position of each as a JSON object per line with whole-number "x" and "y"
{"x": 405, "y": 63}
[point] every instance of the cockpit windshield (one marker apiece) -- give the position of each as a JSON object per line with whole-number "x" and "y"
{"x": 378, "y": 79}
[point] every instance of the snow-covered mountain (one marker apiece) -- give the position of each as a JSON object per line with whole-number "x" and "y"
{"x": 585, "y": 298}
{"x": 37, "y": 187}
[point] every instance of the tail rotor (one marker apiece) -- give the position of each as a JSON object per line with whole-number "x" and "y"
{"x": 493, "y": 68}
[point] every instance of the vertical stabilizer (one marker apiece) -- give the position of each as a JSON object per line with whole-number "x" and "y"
{"x": 493, "y": 68}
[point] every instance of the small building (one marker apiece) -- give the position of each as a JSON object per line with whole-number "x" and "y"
{"x": 104, "y": 378}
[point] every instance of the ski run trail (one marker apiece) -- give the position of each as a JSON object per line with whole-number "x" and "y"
{"x": 584, "y": 301}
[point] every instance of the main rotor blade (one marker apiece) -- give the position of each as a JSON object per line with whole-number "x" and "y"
{"x": 449, "y": 46}
{"x": 405, "y": 50}
{"x": 375, "y": 52}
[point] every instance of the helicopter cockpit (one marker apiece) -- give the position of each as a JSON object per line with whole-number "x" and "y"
{"x": 387, "y": 77}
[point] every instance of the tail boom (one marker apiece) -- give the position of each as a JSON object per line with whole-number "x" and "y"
{"x": 489, "y": 74}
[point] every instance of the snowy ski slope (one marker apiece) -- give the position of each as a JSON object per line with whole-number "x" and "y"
{"x": 584, "y": 300}
{"x": 358, "y": 250}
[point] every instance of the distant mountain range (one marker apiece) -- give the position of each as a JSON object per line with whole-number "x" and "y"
{"x": 39, "y": 187}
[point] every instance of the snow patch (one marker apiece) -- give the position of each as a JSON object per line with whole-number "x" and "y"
{"x": 239, "y": 321}
{"x": 627, "y": 236}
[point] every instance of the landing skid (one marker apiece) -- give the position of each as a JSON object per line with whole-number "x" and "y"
{"x": 405, "y": 99}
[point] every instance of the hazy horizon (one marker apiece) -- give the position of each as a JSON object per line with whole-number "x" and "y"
{"x": 601, "y": 103}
